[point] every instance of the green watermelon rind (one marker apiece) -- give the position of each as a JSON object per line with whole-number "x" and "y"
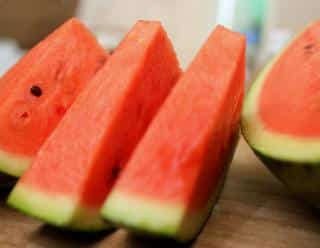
{"x": 60, "y": 211}
{"x": 302, "y": 179}
{"x": 143, "y": 215}
{"x": 154, "y": 218}
{"x": 147, "y": 216}
{"x": 294, "y": 161}
{"x": 275, "y": 145}
{"x": 13, "y": 165}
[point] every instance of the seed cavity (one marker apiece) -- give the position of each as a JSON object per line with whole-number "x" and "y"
{"x": 36, "y": 90}
{"x": 23, "y": 119}
{"x": 24, "y": 115}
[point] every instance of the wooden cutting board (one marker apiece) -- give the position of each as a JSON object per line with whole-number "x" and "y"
{"x": 254, "y": 211}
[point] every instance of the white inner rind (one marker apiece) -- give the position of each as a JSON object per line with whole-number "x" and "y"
{"x": 57, "y": 210}
{"x": 270, "y": 143}
{"x": 13, "y": 165}
{"x": 156, "y": 217}
{"x": 144, "y": 215}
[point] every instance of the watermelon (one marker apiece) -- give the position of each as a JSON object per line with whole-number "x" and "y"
{"x": 280, "y": 115}
{"x": 77, "y": 166}
{"x": 174, "y": 177}
{"x": 38, "y": 90}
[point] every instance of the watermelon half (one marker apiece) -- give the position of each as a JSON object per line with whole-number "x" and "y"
{"x": 280, "y": 120}
{"x": 38, "y": 90}
{"x": 174, "y": 177}
{"x": 77, "y": 166}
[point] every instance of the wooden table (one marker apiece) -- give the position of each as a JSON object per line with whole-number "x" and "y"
{"x": 254, "y": 211}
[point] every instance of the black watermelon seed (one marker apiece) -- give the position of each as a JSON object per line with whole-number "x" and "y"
{"x": 36, "y": 91}
{"x": 115, "y": 171}
{"x": 308, "y": 47}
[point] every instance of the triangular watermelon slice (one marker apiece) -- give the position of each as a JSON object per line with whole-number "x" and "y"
{"x": 39, "y": 89}
{"x": 280, "y": 117}
{"x": 77, "y": 166}
{"x": 176, "y": 172}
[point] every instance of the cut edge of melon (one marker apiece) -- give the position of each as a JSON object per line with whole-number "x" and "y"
{"x": 60, "y": 211}
{"x": 143, "y": 215}
{"x": 271, "y": 144}
{"x": 13, "y": 165}
{"x": 157, "y": 218}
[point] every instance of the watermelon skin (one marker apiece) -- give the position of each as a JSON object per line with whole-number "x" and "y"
{"x": 291, "y": 157}
{"x": 77, "y": 166}
{"x": 302, "y": 179}
{"x": 174, "y": 177}
{"x": 60, "y": 66}
{"x": 56, "y": 210}
{"x": 157, "y": 219}
{"x": 13, "y": 165}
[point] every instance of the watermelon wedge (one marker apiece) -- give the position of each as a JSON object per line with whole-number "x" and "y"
{"x": 39, "y": 89}
{"x": 77, "y": 166}
{"x": 172, "y": 180}
{"x": 280, "y": 117}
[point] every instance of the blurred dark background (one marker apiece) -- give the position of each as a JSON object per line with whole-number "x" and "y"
{"x": 28, "y": 21}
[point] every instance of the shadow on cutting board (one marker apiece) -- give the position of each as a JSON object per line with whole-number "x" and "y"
{"x": 6, "y": 183}
{"x": 51, "y": 237}
{"x": 136, "y": 241}
{"x": 255, "y": 210}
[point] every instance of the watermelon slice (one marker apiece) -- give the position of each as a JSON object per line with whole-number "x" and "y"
{"x": 176, "y": 173}
{"x": 38, "y": 90}
{"x": 280, "y": 115}
{"x": 77, "y": 166}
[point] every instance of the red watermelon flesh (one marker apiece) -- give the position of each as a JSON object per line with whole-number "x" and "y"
{"x": 39, "y": 89}
{"x": 280, "y": 115}
{"x": 301, "y": 82}
{"x": 169, "y": 184}
{"x": 77, "y": 166}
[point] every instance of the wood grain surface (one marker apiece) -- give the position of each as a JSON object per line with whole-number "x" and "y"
{"x": 254, "y": 211}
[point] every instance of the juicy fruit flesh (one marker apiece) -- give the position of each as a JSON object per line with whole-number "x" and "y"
{"x": 114, "y": 110}
{"x": 155, "y": 217}
{"x": 59, "y": 67}
{"x": 289, "y": 98}
{"x": 179, "y": 160}
{"x": 290, "y": 149}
